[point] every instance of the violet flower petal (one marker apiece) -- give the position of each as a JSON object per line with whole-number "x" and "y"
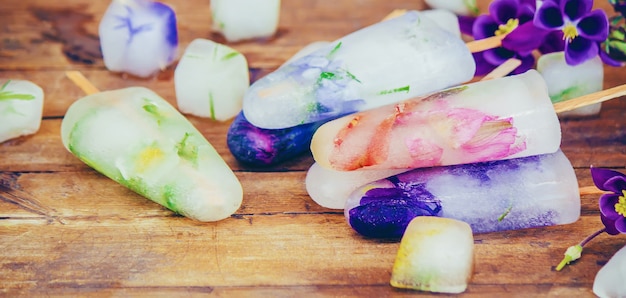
{"x": 609, "y": 225}
{"x": 525, "y": 38}
{"x": 608, "y": 60}
{"x": 620, "y": 225}
{"x": 616, "y": 184}
{"x": 580, "y": 50}
{"x": 528, "y": 61}
{"x": 466, "y": 23}
{"x": 601, "y": 175}
{"x": 549, "y": 16}
{"x": 607, "y": 206}
{"x": 594, "y": 26}
{"x": 484, "y": 27}
{"x": 482, "y": 66}
{"x": 497, "y": 56}
{"x": 553, "y": 42}
{"x": 575, "y": 9}
{"x": 503, "y": 10}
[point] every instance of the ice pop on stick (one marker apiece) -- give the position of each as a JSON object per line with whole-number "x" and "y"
{"x": 137, "y": 139}
{"x": 377, "y": 65}
{"x": 489, "y": 120}
{"x": 331, "y": 189}
{"x": 534, "y": 191}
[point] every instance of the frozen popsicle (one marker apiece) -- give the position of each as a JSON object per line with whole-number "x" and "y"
{"x": 569, "y": 81}
{"x": 210, "y": 80}
{"x": 138, "y": 37}
{"x": 265, "y": 147}
{"x": 245, "y": 19}
{"x": 444, "y": 19}
{"x": 435, "y": 255}
{"x": 377, "y": 65}
{"x": 139, "y": 140}
{"x": 331, "y": 189}
{"x": 21, "y": 107}
{"x": 534, "y": 191}
{"x": 609, "y": 281}
{"x": 489, "y": 120}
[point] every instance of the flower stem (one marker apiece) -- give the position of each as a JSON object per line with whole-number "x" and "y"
{"x": 573, "y": 253}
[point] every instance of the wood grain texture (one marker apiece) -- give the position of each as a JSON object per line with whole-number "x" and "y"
{"x": 66, "y": 230}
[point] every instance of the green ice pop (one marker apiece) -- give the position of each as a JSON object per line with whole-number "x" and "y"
{"x": 139, "y": 140}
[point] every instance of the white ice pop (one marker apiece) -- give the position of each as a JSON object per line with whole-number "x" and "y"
{"x": 377, "y": 65}
{"x": 21, "y": 108}
{"x": 569, "y": 81}
{"x": 245, "y": 19}
{"x": 444, "y": 19}
{"x": 490, "y": 120}
{"x": 138, "y": 139}
{"x": 535, "y": 191}
{"x": 331, "y": 189}
{"x": 210, "y": 80}
{"x": 609, "y": 281}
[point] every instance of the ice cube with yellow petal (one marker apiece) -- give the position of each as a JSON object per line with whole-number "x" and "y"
{"x": 435, "y": 255}
{"x": 139, "y": 140}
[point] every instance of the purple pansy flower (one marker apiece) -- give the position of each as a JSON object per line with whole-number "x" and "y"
{"x": 613, "y": 204}
{"x": 582, "y": 28}
{"x": 504, "y": 17}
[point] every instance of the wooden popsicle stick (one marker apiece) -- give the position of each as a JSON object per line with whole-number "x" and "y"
{"x": 589, "y": 190}
{"x": 474, "y": 46}
{"x": 503, "y": 69}
{"x": 82, "y": 82}
{"x": 393, "y": 14}
{"x": 590, "y": 99}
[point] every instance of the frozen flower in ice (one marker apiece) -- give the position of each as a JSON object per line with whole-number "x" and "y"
{"x": 386, "y": 212}
{"x": 335, "y": 87}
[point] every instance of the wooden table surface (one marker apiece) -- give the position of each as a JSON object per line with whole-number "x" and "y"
{"x": 66, "y": 230}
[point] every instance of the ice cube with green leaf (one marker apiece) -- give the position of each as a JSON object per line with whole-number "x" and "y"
{"x": 210, "y": 80}
{"x": 139, "y": 140}
{"x": 570, "y": 81}
{"x": 21, "y": 108}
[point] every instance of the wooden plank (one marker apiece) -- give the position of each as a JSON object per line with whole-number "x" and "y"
{"x": 89, "y": 194}
{"x": 289, "y": 250}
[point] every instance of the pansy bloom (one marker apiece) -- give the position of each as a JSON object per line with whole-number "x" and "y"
{"x": 504, "y": 17}
{"x": 612, "y": 204}
{"x": 582, "y": 28}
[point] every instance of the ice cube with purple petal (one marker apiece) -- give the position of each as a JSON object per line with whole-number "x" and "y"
{"x": 138, "y": 37}
{"x": 535, "y": 191}
{"x": 210, "y": 80}
{"x": 21, "y": 108}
